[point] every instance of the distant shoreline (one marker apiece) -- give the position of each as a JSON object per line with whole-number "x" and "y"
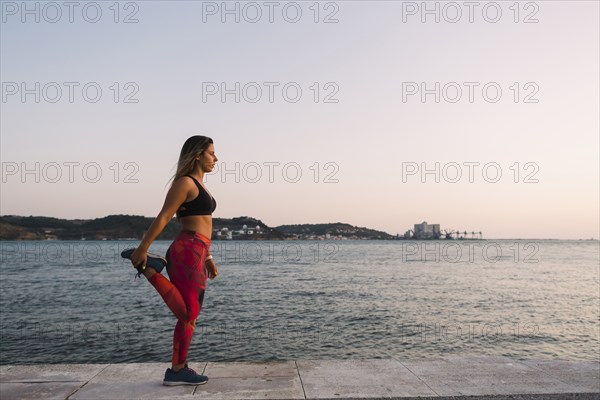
{"x": 133, "y": 227}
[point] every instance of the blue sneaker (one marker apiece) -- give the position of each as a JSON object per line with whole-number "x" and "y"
{"x": 152, "y": 260}
{"x": 185, "y": 376}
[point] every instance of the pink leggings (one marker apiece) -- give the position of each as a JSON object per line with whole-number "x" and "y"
{"x": 184, "y": 293}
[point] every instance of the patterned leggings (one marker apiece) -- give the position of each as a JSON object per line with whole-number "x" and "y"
{"x": 184, "y": 293}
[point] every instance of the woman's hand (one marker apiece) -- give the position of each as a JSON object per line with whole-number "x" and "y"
{"x": 211, "y": 269}
{"x": 139, "y": 257}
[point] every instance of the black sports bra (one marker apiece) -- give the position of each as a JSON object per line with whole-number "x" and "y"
{"x": 204, "y": 204}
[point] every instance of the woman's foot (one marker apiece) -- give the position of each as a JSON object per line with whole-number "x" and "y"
{"x": 154, "y": 261}
{"x": 184, "y": 376}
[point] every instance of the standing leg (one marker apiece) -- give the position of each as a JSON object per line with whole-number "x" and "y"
{"x": 182, "y": 337}
{"x": 188, "y": 280}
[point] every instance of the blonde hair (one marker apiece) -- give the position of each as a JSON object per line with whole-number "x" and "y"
{"x": 193, "y": 146}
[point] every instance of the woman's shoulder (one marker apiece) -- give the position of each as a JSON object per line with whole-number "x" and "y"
{"x": 184, "y": 181}
{"x": 185, "y": 178}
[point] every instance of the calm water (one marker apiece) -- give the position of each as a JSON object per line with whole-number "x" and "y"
{"x": 71, "y": 302}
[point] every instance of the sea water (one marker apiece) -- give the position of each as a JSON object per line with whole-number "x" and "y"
{"x": 77, "y": 302}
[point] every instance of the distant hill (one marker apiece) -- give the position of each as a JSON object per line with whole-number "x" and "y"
{"x": 114, "y": 227}
{"x": 337, "y": 229}
{"x": 111, "y": 227}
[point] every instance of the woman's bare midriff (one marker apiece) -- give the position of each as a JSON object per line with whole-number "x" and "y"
{"x": 198, "y": 223}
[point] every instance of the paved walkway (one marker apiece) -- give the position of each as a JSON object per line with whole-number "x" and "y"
{"x": 482, "y": 377}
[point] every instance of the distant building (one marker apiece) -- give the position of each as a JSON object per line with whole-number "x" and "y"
{"x": 245, "y": 232}
{"x": 49, "y": 235}
{"x": 427, "y": 231}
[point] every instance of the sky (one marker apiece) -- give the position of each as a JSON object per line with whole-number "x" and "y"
{"x": 371, "y": 113}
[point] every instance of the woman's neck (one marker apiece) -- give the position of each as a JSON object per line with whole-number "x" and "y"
{"x": 199, "y": 173}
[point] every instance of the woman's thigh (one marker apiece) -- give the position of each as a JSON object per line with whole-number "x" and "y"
{"x": 185, "y": 265}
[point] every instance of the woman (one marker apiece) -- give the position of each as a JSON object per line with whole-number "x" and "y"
{"x": 189, "y": 262}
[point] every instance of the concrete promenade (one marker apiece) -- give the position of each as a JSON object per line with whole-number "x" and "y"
{"x": 491, "y": 377}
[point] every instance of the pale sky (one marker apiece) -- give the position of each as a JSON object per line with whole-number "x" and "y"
{"x": 365, "y": 63}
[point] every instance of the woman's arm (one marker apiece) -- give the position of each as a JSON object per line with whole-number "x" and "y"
{"x": 158, "y": 225}
{"x": 175, "y": 197}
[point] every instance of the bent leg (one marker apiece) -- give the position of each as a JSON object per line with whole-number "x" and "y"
{"x": 186, "y": 270}
{"x": 171, "y": 295}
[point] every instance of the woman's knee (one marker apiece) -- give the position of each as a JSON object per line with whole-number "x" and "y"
{"x": 192, "y": 314}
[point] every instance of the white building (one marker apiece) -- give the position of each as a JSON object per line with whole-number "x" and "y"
{"x": 427, "y": 231}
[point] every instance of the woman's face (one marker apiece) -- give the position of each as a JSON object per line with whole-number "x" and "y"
{"x": 208, "y": 159}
